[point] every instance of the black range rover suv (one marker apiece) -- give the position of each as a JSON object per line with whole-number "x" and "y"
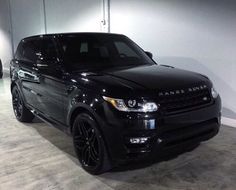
{"x": 110, "y": 95}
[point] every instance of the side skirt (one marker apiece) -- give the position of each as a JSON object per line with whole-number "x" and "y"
{"x": 50, "y": 121}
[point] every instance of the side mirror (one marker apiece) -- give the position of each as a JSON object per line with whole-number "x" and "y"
{"x": 149, "y": 54}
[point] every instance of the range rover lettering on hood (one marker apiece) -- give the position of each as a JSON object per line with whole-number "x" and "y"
{"x": 182, "y": 91}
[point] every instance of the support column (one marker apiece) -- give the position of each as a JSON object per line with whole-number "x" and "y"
{"x": 105, "y": 23}
{"x": 11, "y": 28}
{"x": 45, "y": 17}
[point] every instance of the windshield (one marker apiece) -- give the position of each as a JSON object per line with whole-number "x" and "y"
{"x": 86, "y": 51}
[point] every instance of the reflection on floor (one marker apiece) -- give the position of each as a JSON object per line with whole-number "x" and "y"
{"x": 37, "y": 156}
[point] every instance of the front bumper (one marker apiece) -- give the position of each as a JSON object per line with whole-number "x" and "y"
{"x": 165, "y": 133}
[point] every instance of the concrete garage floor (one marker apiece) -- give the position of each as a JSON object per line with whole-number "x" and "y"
{"x": 37, "y": 156}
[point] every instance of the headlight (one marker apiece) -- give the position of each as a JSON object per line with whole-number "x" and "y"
{"x": 131, "y": 105}
{"x": 214, "y": 93}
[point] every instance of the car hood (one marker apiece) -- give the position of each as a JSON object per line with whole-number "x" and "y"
{"x": 144, "y": 79}
{"x": 158, "y": 77}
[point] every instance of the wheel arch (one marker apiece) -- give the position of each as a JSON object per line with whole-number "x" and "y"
{"x": 85, "y": 109}
{"x": 13, "y": 83}
{"x": 78, "y": 110}
{"x": 82, "y": 109}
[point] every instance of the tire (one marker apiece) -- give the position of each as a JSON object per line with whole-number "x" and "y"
{"x": 21, "y": 112}
{"x": 89, "y": 145}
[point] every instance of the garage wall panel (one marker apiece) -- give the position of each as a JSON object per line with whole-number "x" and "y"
{"x": 27, "y": 19}
{"x": 5, "y": 34}
{"x": 193, "y": 35}
{"x": 73, "y": 15}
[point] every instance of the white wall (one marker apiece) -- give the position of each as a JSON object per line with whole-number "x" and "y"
{"x": 61, "y": 16}
{"x": 194, "y": 35}
{"x": 5, "y": 34}
{"x": 27, "y": 19}
{"x": 73, "y": 15}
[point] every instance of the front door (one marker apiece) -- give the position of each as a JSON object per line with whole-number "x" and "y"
{"x": 52, "y": 86}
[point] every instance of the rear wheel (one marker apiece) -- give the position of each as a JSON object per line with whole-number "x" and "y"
{"x": 89, "y": 145}
{"x": 21, "y": 112}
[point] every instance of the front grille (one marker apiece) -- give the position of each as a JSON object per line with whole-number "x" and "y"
{"x": 184, "y": 101}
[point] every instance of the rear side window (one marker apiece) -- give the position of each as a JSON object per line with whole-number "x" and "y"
{"x": 19, "y": 51}
{"x": 30, "y": 50}
{"x": 33, "y": 49}
{"x": 48, "y": 49}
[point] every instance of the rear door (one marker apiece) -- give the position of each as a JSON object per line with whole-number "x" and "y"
{"x": 29, "y": 78}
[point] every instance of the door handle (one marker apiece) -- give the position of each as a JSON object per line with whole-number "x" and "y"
{"x": 35, "y": 68}
{"x": 41, "y": 65}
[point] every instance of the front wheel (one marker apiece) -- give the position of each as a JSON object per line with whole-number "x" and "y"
{"x": 21, "y": 112}
{"x": 89, "y": 145}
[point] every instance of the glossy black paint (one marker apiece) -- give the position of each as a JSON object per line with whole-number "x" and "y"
{"x": 1, "y": 69}
{"x": 58, "y": 94}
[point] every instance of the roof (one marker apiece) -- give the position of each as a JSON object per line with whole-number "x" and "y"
{"x": 73, "y": 33}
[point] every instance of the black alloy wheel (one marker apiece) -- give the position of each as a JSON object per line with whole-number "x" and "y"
{"x": 89, "y": 145}
{"x": 17, "y": 103}
{"x": 21, "y": 112}
{"x": 1, "y": 69}
{"x": 86, "y": 142}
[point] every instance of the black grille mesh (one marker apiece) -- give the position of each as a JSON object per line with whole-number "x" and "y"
{"x": 181, "y": 102}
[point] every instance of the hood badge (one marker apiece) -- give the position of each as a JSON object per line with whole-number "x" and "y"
{"x": 182, "y": 91}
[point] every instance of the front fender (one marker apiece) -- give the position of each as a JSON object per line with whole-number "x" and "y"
{"x": 83, "y": 101}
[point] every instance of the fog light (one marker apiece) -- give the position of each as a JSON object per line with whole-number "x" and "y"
{"x": 140, "y": 140}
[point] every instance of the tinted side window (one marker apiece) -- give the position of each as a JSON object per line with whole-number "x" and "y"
{"x": 19, "y": 51}
{"x": 31, "y": 50}
{"x": 49, "y": 49}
